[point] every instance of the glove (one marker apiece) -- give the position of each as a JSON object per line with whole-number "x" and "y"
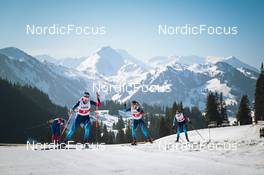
{"x": 72, "y": 111}
{"x": 97, "y": 96}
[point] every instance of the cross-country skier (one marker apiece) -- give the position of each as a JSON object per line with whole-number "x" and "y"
{"x": 55, "y": 125}
{"x": 182, "y": 124}
{"x": 83, "y": 109}
{"x": 136, "y": 114}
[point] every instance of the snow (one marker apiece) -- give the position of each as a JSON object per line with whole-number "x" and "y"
{"x": 247, "y": 73}
{"x": 108, "y": 120}
{"x": 199, "y": 94}
{"x": 213, "y": 59}
{"x": 216, "y": 86}
{"x": 236, "y": 63}
{"x": 207, "y": 69}
{"x": 147, "y": 159}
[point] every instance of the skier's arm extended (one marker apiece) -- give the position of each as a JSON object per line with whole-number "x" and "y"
{"x": 98, "y": 103}
{"x": 127, "y": 110}
{"x": 75, "y": 106}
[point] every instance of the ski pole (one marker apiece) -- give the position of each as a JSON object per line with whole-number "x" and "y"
{"x": 209, "y": 134}
{"x": 197, "y": 131}
{"x": 66, "y": 125}
{"x": 96, "y": 108}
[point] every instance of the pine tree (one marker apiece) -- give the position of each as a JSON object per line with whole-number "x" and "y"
{"x": 211, "y": 111}
{"x": 128, "y": 134}
{"x": 105, "y": 137}
{"x": 31, "y": 111}
{"x": 111, "y": 139}
{"x": 120, "y": 137}
{"x": 243, "y": 115}
{"x": 120, "y": 123}
{"x": 163, "y": 129}
{"x": 197, "y": 119}
{"x": 154, "y": 124}
{"x": 222, "y": 110}
{"x": 259, "y": 97}
{"x": 114, "y": 126}
{"x": 171, "y": 114}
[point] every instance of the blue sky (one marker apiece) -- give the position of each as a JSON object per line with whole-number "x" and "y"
{"x": 132, "y": 25}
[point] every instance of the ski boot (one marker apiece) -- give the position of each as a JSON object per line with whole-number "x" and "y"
{"x": 62, "y": 145}
{"x": 177, "y": 140}
{"x": 85, "y": 144}
{"x": 150, "y": 140}
{"x": 134, "y": 142}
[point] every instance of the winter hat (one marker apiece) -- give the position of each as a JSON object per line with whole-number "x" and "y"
{"x": 134, "y": 102}
{"x": 86, "y": 94}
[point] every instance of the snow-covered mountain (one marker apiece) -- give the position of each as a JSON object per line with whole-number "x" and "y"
{"x": 110, "y": 63}
{"x": 193, "y": 60}
{"x": 189, "y": 78}
{"x": 63, "y": 85}
{"x": 166, "y": 60}
{"x": 191, "y": 83}
{"x": 236, "y": 63}
{"x": 66, "y": 62}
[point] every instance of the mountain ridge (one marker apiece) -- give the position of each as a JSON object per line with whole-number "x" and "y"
{"x": 189, "y": 82}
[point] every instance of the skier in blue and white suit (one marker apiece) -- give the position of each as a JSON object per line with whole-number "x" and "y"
{"x": 181, "y": 120}
{"x": 83, "y": 109}
{"x": 137, "y": 119}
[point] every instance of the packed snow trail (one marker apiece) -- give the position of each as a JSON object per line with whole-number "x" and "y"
{"x": 146, "y": 159}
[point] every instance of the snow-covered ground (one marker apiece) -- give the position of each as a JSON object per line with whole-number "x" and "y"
{"x": 246, "y": 157}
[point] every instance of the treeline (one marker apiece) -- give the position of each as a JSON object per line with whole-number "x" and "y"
{"x": 24, "y": 111}
{"x": 216, "y": 113}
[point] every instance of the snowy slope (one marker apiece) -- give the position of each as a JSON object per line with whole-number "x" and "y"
{"x": 187, "y": 60}
{"x": 147, "y": 159}
{"x": 68, "y": 62}
{"x": 115, "y": 65}
{"x": 191, "y": 83}
{"x": 105, "y": 60}
{"x": 236, "y": 63}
